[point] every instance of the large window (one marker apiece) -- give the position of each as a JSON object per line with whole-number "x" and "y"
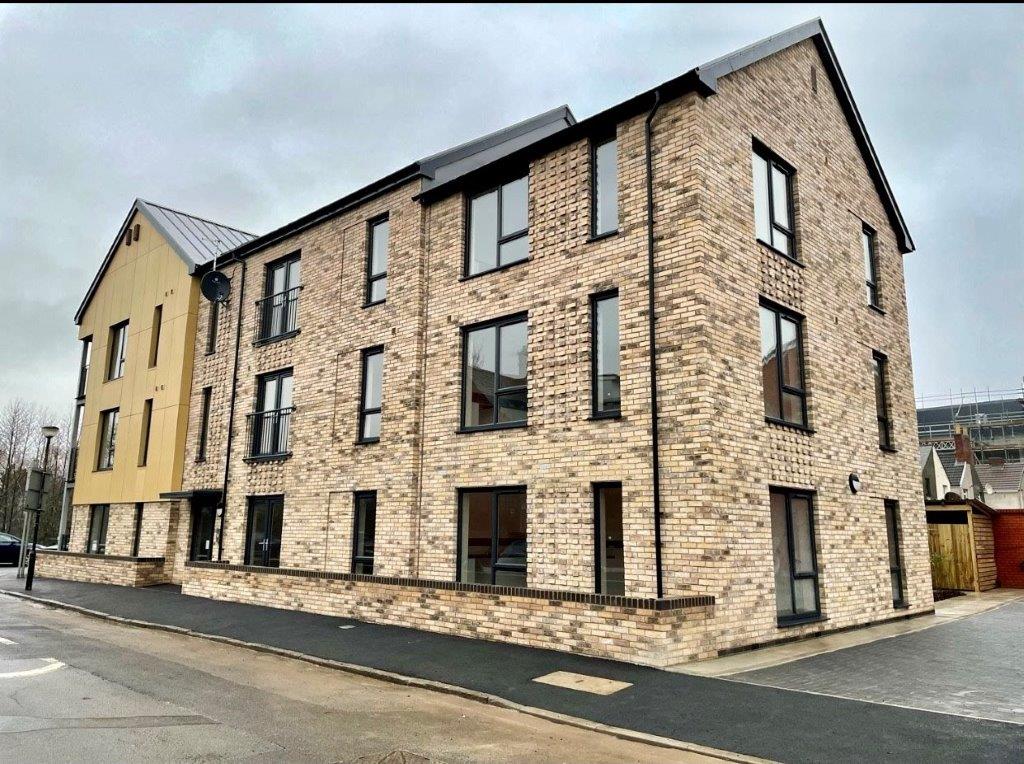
{"x": 782, "y": 366}
{"x": 773, "y": 201}
{"x": 204, "y": 424}
{"x": 371, "y": 395}
{"x": 154, "y": 335}
{"x": 605, "y": 191}
{"x": 108, "y": 439}
{"x": 118, "y": 350}
{"x": 263, "y": 531}
{"x": 137, "y": 534}
{"x": 892, "y": 531}
{"x": 604, "y": 326}
{"x": 211, "y": 328}
{"x": 498, "y": 227}
{"x": 880, "y": 368}
{"x": 364, "y": 530}
{"x": 271, "y": 422}
{"x": 278, "y": 310}
{"x": 492, "y": 536}
{"x": 494, "y": 376}
{"x": 147, "y": 425}
{"x": 83, "y": 369}
{"x": 796, "y": 569}
{"x": 98, "y": 517}
{"x": 379, "y": 231}
{"x": 867, "y": 238}
{"x": 610, "y": 563}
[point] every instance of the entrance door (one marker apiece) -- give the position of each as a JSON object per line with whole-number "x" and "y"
{"x": 263, "y": 543}
{"x": 204, "y": 521}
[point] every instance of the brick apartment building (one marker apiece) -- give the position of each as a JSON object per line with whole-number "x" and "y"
{"x": 636, "y": 386}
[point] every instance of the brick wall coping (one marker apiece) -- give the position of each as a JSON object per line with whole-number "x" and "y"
{"x": 89, "y": 555}
{"x": 553, "y": 595}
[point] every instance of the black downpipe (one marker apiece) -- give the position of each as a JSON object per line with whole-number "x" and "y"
{"x": 231, "y": 416}
{"x": 655, "y": 462}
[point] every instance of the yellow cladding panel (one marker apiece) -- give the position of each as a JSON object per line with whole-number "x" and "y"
{"x": 140, "y": 277}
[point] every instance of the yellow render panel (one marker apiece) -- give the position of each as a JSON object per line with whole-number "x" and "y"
{"x": 140, "y": 277}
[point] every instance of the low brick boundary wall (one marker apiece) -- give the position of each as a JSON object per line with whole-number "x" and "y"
{"x": 100, "y": 568}
{"x": 656, "y": 632}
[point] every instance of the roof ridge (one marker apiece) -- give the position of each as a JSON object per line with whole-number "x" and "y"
{"x": 194, "y": 217}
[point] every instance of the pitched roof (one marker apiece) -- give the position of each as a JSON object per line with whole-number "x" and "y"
{"x": 1007, "y": 477}
{"x": 954, "y": 469}
{"x": 195, "y": 240}
{"x": 922, "y": 454}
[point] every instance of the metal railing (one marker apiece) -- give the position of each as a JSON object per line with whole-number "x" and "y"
{"x": 269, "y": 432}
{"x": 277, "y": 314}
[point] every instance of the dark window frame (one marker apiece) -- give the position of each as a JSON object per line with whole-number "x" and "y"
{"x": 371, "y": 277}
{"x": 289, "y": 295}
{"x": 596, "y": 413}
{"x": 869, "y": 237}
{"x": 495, "y": 492}
{"x": 101, "y": 545}
{"x": 212, "y": 328}
{"x": 476, "y": 193}
{"x": 801, "y": 392}
{"x": 596, "y": 143}
{"x": 117, "y": 351}
{"x": 892, "y": 532}
{"x": 789, "y": 494}
{"x": 256, "y": 433}
{"x": 83, "y": 366}
{"x": 145, "y": 431}
{"x": 496, "y": 324}
{"x": 107, "y": 452}
{"x": 137, "y": 534}
{"x": 883, "y": 415}
{"x": 363, "y": 411}
{"x": 357, "y": 558}
{"x": 599, "y": 532}
{"x": 788, "y": 229}
{"x": 154, "y": 336}
{"x": 204, "y": 424}
{"x": 250, "y": 512}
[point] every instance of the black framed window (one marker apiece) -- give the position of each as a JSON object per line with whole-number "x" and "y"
{"x": 880, "y": 371}
{"x": 204, "y": 523}
{"x": 378, "y": 235}
{"x": 604, "y": 350}
{"x": 364, "y": 531}
{"x": 499, "y": 233}
{"x": 271, "y": 422}
{"x": 278, "y": 309}
{"x": 609, "y": 547}
{"x": 492, "y": 536}
{"x": 892, "y": 532}
{"x": 147, "y": 426}
{"x": 137, "y": 535}
{"x": 604, "y": 173}
{"x": 773, "y": 201}
{"x": 782, "y": 366}
{"x": 99, "y": 515}
{"x": 263, "y": 531}
{"x": 118, "y": 350}
{"x": 370, "y": 396}
{"x": 211, "y": 328}
{"x": 108, "y": 439}
{"x": 83, "y": 368}
{"x": 204, "y": 424}
{"x": 867, "y": 238}
{"x": 796, "y": 566}
{"x": 154, "y": 335}
{"x": 494, "y": 374}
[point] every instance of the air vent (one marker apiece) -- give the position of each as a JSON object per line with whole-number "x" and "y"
{"x": 128, "y": 237}
{"x": 135, "y": 232}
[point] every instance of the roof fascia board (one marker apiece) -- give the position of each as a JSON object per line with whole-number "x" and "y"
{"x": 105, "y": 264}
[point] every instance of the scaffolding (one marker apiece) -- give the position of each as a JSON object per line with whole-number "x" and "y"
{"x": 993, "y": 420}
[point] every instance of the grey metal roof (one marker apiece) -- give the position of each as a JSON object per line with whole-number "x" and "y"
{"x": 195, "y": 240}
{"x": 922, "y": 455}
{"x": 954, "y": 470}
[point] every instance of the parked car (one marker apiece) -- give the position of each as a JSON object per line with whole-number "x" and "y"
{"x": 9, "y": 546}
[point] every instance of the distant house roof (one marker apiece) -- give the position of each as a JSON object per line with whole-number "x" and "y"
{"x": 954, "y": 470}
{"x": 922, "y": 455}
{"x": 195, "y": 240}
{"x": 1007, "y": 477}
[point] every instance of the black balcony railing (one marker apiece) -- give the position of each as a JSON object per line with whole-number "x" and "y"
{"x": 277, "y": 314}
{"x": 268, "y": 433}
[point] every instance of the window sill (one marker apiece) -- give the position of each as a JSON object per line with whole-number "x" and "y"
{"x": 785, "y": 623}
{"x": 603, "y": 236}
{"x": 604, "y": 417}
{"x": 780, "y": 253}
{"x": 275, "y": 338}
{"x": 901, "y": 606}
{"x": 494, "y": 270}
{"x": 887, "y": 449}
{"x": 789, "y": 425}
{"x": 200, "y": 459}
{"x": 366, "y": 305}
{"x": 492, "y": 428}
{"x": 267, "y": 458}
{"x": 367, "y": 441}
{"x": 877, "y": 309}
{"x": 104, "y": 469}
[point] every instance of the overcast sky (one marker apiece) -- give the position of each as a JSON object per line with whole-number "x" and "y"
{"x": 253, "y": 116}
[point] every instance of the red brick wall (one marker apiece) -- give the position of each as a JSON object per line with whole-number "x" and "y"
{"x": 1009, "y": 536}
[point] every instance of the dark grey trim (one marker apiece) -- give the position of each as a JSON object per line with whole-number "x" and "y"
{"x": 110, "y": 557}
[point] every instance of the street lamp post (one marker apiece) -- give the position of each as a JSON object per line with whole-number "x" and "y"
{"x": 49, "y": 432}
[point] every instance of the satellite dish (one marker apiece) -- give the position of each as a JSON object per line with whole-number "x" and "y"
{"x": 215, "y": 286}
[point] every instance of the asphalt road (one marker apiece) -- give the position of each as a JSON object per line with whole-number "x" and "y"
{"x": 76, "y": 689}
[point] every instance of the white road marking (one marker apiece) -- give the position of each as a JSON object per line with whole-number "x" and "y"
{"x": 52, "y": 664}
{"x": 346, "y": 627}
{"x": 4, "y": 641}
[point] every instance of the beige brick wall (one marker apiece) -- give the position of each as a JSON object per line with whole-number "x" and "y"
{"x": 101, "y": 569}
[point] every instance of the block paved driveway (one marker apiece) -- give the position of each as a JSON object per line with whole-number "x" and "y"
{"x": 971, "y": 667}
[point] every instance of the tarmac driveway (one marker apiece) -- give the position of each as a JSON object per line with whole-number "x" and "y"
{"x": 971, "y": 667}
